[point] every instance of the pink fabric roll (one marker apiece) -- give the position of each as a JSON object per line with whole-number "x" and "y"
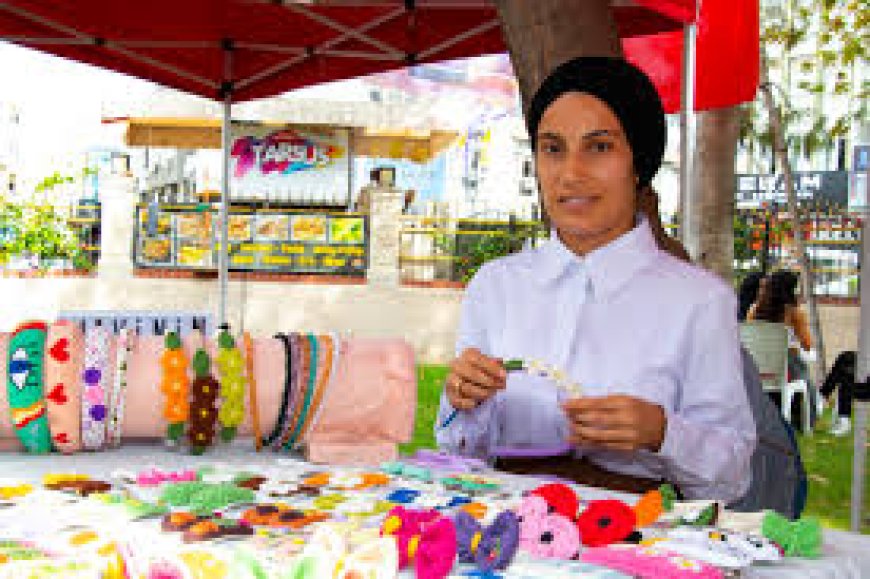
{"x": 370, "y": 453}
{"x": 64, "y": 356}
{"x": 8, "y": 440}
{"x": 269, "y": 368}
{"x": 143, "y": 416}
{"x": 372, "y": 397}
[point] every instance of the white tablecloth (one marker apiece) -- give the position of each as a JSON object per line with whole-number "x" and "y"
{"x": 846, "y": 555}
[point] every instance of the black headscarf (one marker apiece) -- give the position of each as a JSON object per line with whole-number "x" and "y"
{"x": 626, "y": 90}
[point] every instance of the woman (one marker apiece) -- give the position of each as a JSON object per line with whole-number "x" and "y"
{"x": 748, "y": 293}
{"x": 777, "y": 302}
{"x": 652, "y": 340}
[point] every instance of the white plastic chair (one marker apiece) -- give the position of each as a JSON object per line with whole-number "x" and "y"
{"x": 767, "y": 342}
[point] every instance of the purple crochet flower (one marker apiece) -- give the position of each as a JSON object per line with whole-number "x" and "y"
{"x": 489, "y": 548}
{"x": 92, "y": 376}
{"x": 98, "y": 412}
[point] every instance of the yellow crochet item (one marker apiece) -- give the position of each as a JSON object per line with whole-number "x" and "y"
{"x": 231, "y": 368}
{"x": 204, "y": 565}
{"x": 13, "y": 492}
{"x": 58, "y": 478}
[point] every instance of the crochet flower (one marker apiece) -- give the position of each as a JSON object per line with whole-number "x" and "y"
{"x": 560, "y": 498}
{"x": 605, "y": 522}
{"x": 545, "y": 534}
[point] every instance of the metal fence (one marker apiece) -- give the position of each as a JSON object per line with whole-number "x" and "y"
{"x": 445, "y": 249}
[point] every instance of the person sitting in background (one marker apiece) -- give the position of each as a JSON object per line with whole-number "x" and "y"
{"x": 748, "y": 293}
{"x": 777, "y": 302}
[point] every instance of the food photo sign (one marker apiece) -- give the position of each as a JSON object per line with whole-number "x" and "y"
{"x": 282, "y": 241}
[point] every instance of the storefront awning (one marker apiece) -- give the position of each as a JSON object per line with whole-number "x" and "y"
{"x": 186, "y": 133}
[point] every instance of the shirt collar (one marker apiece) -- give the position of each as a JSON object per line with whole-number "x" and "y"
{"x": 608, "y": 268}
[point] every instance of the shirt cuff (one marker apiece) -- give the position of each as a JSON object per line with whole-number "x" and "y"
{"x": 674, "y": 432}
{"x": 468, "y": 432}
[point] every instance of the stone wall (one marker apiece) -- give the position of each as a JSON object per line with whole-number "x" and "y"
{"x": 839, "y": 329}
{"x": 426, "y": 317}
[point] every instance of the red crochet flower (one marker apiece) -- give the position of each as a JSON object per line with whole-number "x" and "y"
{"x": 560, "y": 498}
{"x": 605, "y": 522}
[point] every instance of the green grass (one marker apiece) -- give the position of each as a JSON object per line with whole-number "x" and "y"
{"x": 430, "y": 379}
{"x": 828, "y": 459}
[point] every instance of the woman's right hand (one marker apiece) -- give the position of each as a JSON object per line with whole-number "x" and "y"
{"x": 473, "y": 378}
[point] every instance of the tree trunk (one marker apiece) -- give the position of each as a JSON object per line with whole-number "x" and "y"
{"x": 713, "y": 188}
{"x": 542, "y": 34}
{"x": 803, "y": 259}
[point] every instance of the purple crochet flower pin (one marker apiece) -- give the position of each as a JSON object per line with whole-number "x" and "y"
{"x": 98, "y": 412}
{"x": 489, "y": 548}
{"x": 92, "y": 376}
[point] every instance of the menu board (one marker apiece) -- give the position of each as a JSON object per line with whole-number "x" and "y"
{"x": 181, "y": 237}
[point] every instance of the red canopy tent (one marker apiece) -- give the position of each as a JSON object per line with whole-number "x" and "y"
{"x": 236, "y": 50}
{"x": 277, "y": 46}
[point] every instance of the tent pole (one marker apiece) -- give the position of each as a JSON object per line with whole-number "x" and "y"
{"x": 224, "y": 253}
{"x": 862, "y": 370}
{"x": 688, "y": 221}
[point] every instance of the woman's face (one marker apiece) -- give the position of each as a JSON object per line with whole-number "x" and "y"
{"x": 584, "y": 165}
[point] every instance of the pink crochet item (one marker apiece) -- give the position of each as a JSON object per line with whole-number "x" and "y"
{"x": 155, "y": 477}
{"x": 649, "y": 562}
{"x": 546, "y": 535}
{"x": 425, "y": 539}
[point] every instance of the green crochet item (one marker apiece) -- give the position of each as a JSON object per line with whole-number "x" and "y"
{"x": 407, "y": 470}
{"x": 329, "y": 502}
{"x": 204, "y": 498}
{"x": 801, "y": 538}
{"x": 468, "y": 485}
{"x": 135, "y": 508}
{"x": 180, "y": 494}
{"x": 513, "y": 365}
{"x": 201, "y": 364}
{"x": 143, "y": 510}
{"x": 393, "y": 467}
{"x": 172, "y": 341}
{"x": 219, "y": 496}
{"x": 669, "y": 497}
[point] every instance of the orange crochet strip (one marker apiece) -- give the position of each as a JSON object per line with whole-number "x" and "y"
{"x": 252, "y": 385}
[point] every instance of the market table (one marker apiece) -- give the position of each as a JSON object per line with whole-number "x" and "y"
{"x": 845, "y": 554}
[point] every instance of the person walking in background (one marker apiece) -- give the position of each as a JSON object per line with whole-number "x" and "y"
{"x": 842, "y": 378}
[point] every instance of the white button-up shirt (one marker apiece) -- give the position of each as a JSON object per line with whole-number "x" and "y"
{"x": 627, "y": 318}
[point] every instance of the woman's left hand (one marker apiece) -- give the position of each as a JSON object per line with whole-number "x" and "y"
{"x": 616, "y": 422}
